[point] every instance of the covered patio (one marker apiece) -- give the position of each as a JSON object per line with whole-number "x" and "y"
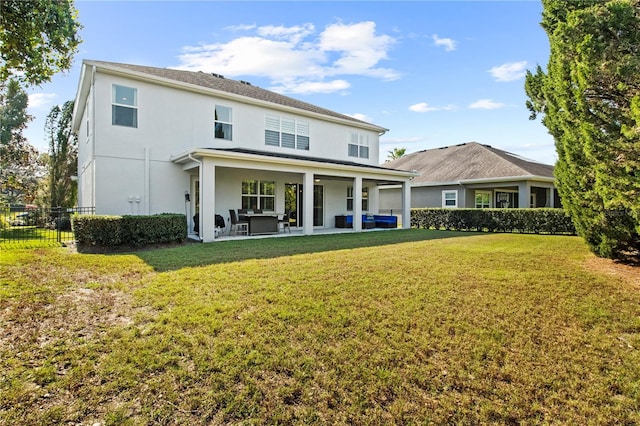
{"x": 295, "y": 232}
{"x": 230, "y": 179}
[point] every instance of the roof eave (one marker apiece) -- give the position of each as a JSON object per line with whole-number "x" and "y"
{"x": 122, "y": 72}
{"x": 503, "y": 179}
{"x": 79, "y": 104}
{"x": 190, "y": 154}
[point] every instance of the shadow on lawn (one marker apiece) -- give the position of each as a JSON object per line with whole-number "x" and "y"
{"x": 167, "y": 259}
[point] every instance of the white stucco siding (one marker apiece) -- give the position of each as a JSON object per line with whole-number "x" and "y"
{"x": 390, "y": 199}
{"x": 117, "y": 180}
{"x": 168, "y": 183}
{"x": 171, "y": 120}
{"x": 139, "y": 187}
{"x": 86, "y": 182}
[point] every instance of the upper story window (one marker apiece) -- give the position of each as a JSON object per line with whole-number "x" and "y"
{"x": 286, "y": 132}
{"x": 223, "y": 126}
{"x": 124, "y": 106}
{"x": 358, "y": 145}
{"x": 449, "y": 199}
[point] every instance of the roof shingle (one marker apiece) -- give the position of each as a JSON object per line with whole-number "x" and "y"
{"x": 468, "y": 161}
{"x": 242, "y": 88}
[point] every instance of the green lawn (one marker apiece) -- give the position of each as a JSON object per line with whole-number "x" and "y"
{"x": 31, "y": 236}
{"x": 401, "y": 327}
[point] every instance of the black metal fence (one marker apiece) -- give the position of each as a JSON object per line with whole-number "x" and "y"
{"x": 31, "y": 226}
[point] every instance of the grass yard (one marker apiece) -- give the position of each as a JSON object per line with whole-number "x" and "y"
{"x": 402, "y": 327}
{"x": 31, "y": 236}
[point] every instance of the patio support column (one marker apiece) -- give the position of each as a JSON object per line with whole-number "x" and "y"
{"x": 207, "y": 200}
{"x": 307, "y": 200}
{"x": 524, "y": 195}
{"x": 357, "y": 203}
{"x": 406, "y": 204}
{"x": 551, "y": 196}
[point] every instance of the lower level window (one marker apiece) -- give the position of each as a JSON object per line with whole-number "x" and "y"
{"x": 365, "y": 198}
{"x": 483, "y": 199}
{"x": 258, "y": 194}
{"x": 506, "y": 199}
{"x": 449, "y": 199}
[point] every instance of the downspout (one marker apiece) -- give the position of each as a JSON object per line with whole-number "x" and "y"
{"x": 93, "y": 136}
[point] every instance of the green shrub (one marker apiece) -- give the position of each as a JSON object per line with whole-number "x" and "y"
{"x": 129, "y": 230}
{"x": 534, "y": 221}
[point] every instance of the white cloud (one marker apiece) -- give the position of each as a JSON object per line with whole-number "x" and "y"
{"x": 276, "y": 59}
{"x": 359, "y": 49}
{"x": 422, "y": 107}
{"x": 425, "y": 107}
{"x": 361, "y": 117}
{"x": 306, "y": 87}
{"x": 510, "y": 71}
{"x": 449, "y": 44}
{"x": 297, "y": 59}
{"x": 37, "y": 100}
{"x": 486, "y": 104}
{"x": 241, "y": 27}
{"x": 294, "y": 34}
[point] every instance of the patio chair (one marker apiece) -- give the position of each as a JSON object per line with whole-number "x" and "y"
{"x": 237, "y": 225}
{"x": 284, "y": 222}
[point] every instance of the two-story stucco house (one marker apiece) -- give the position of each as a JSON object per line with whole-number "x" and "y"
{"x": 157, "y": 140}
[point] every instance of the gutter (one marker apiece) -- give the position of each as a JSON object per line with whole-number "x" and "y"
{"x": 285, "y": 161}
{"x": 489, "y": 180}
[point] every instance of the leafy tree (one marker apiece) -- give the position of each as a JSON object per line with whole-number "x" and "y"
{"x": 37, "y": 39}
{"x": 63, "y": 156}
{"x": 590, "y": 100}
{"x": 396, "y": 153}
{"x": 20, "y": 163}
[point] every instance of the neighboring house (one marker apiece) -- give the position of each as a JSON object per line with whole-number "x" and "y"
{"x": 157, "y": 140}
{"x": 472, "y": 175}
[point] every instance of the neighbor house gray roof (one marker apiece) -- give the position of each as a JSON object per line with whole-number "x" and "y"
{"x": 468, "y": 161}
{"x": 236, "y": 87}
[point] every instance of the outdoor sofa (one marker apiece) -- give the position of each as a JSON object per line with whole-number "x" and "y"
{"x": 368, "y": 221}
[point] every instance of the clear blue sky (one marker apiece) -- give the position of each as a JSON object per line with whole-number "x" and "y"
{"x": 435, "y": 73}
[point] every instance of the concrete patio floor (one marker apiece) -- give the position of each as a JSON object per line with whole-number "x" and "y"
{"x": 295, "y": 232}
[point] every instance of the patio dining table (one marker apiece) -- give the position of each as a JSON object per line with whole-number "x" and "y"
{"x": 263, "y": 223}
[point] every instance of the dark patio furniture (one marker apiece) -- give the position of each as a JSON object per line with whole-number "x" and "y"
{"x": 284, "y": 221}
{"x": 237, "y": 225}
{"x": 262, "y": 223}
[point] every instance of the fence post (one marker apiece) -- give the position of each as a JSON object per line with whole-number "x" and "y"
{"x": 58, "y": 224}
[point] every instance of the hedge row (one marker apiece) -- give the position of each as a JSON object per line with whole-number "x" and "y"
{"x": 129, "y": 230}
{"x": 534, "y": 221}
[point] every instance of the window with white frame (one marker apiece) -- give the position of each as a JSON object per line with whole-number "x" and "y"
{"x": 124, "y": 106}
{"x": 358, "y": 145}
{"x": 258, "y": 194}
{"x": 365, "y": 198}
{"x": 223, "y": 126}
{"x": 483, "y": 199}
{"x": 286, "y": 132}
{"x": 449, "y": 199}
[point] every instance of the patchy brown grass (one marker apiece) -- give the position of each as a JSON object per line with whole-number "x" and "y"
{"x": 490, "y": 329}
{"x": 612, "y": 268}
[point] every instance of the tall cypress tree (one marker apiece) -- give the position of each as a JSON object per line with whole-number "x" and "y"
{"x": 63, "y": 156}
{"x": 590, "y": 100}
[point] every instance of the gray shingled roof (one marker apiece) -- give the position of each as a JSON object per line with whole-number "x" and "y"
{"x": 468, "y": 161}
{"x": 218, "y": 82}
